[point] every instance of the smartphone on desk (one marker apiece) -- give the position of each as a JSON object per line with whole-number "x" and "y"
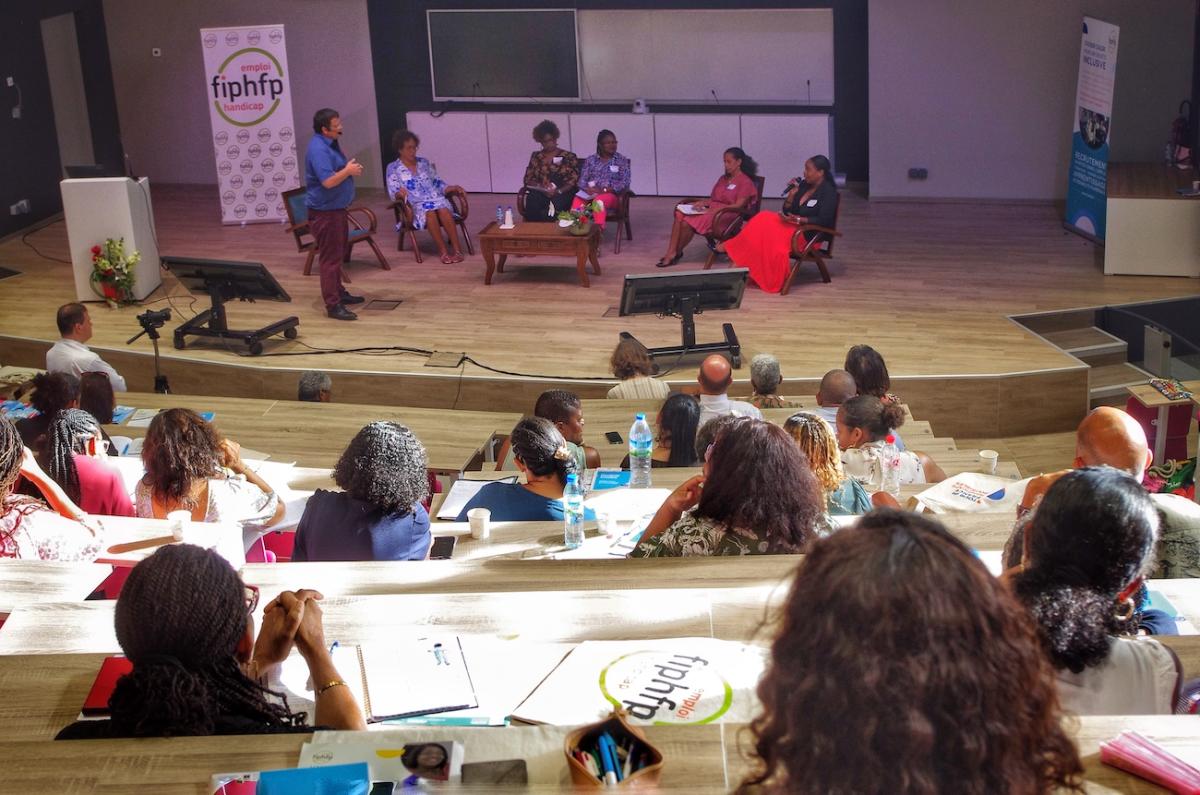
{"x": 613, "y": 437}
{"x": 442, "y": 547}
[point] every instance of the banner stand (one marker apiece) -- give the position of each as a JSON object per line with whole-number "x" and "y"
{"x": 1087, "y": 183}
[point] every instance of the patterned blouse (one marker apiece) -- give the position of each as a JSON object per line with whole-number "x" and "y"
{"x": 772, "y": 402}
{"x": 31, "y": 531}
{"x": 693, "y": 535}
{"x": 230, "y": 499}
{"x": 426, "y": 190}
{"x": 616, "y": 173}
{"x": 540, "y": 171}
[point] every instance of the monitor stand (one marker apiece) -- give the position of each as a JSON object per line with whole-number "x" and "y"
{"x": 211, "y": 322}
{"x": 688, "y": 351}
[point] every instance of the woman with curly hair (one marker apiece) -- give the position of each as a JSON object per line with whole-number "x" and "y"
{"x": 378, "y": 515}
{"x": 902, "y": 666}
{"x": 28, "y": 529}
{"x": 551, "y": 177}
{"x": 185, "y": 621}
{"x": 76, "y": 459}
{"x": 1087, "y": 550}
{"x": 818, "y": 441}
{"x": 632, "y": 364}
{"x": 756, "y": 496}
{"x": 190, "y": 467}
{"x": 542, "y": 456}
{"x": 674, "y": 444}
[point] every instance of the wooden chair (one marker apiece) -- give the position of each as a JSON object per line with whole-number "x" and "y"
{"x": 728, "y": 222}
{"x": 815, "y": 250}
{"x": 362, "y": 221}
{"x": 459, "y": 208}
{"x": 620, "y": 215}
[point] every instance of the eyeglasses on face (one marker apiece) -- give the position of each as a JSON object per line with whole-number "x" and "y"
{"x": 251, "y": 597}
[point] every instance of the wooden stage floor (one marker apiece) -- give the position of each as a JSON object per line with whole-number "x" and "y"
{"x": 929, "y": 285}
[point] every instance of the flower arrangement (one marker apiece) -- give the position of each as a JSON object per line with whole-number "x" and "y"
{"x": 112, "y": 272}
{"x": 582, "y": 217}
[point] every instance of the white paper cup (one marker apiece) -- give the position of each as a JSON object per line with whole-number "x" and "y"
{"x": 606, "y": 523}
{"x": 480, "y": 520}
{"x": 179, "y": 521}
{"x": 987, "y": 461}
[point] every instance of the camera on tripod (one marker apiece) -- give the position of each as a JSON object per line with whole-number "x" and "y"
{"x": 154, "y": 319}
{"x": 151, "y": 321}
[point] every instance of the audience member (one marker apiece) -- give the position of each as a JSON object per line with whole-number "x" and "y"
{"x": 97, "y": 398}
{"x": 52, "y": 393}
{"x": 674, "y": 444}
{"x": 715, "y": 378}
{"x": 863, "y": 425}
{"x": 69, "y": 355}
{"x": 76, "y": 458}
{"x": 329, "y": 189}
{"x": 541, "y": 453}
{"x": 734, "y": 189}
{"x": 378, "y": 515}
{"x": 185, "y": 621}
{"x": 552, "y": 175}
{"x": 190, "y": 467}
{"x": 706, "y": 433}
{"x": 902, "y": 665}
{"x": 765, "y": 243}
{"x": 315, "y": 387}
{"x": 1108, "y": 436}
{"x": 870, "y": 375}
{"x": 28, "y": 529}
{"x": 632, "y": 364}
{"x": 837, "y": 386}
{"x": 1087, "y": 550}
{"x": 415, "y": 180}
{"x": 565, "y": 410}
{"x": 765, "y": 379}
{"x": 604, "y": 175}
{"x": 818, "y": 441}
{"x": 756, "y": 496}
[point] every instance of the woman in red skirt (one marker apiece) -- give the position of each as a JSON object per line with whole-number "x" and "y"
{"x": 735, "y": 188}
{"x": 764, "y": 244}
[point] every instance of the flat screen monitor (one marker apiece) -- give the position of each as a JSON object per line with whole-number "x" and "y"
{"x": 515, "y": 55}
{"x": 247, "y": 280}
{"x": 662, "y": 294}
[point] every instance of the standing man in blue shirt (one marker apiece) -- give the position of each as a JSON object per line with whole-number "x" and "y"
{"x": 329, "y": 182}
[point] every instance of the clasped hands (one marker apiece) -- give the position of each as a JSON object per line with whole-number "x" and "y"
{"x": 293, "y": 618}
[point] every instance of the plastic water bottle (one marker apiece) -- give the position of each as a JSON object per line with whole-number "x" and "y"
{"x": 889, "y": 465}
{"x": 641, "y": 445}
{"x": 499, "y": 215}
{"x": 508, "y": 216}
{"x": 572, "y": 512}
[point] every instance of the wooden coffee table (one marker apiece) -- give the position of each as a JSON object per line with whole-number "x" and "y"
{"x": 536, "y": 240}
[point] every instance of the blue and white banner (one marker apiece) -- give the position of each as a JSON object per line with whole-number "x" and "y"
{"x": 250, "y": 104}
{"x": 1088, "y": 180}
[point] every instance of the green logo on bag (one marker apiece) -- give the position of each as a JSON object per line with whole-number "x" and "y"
{"x": 666, "y": 689}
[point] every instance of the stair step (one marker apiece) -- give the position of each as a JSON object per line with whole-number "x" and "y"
{"x": 1110, "y": 380}
{"x": 1086, "y": 340}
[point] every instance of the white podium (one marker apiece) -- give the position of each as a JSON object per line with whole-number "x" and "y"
{"x": 116, "y": 207}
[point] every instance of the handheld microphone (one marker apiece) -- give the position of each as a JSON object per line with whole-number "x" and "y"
{"x": 787, "y": 188}
{"x": 713, "y": 91}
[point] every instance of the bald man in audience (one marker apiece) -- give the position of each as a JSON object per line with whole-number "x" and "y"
{"x": 1110, "y": 437}
{"x": 837, "y": 386}
{"x": 714, "y": 378}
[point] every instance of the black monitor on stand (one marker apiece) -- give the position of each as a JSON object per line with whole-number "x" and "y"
{"x": 245, "y": 281}
{"x": 684, "y": 295}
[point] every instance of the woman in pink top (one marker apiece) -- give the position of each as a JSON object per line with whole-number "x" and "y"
{"x": 735, "y": 189}
{"x": 76, "y": 459}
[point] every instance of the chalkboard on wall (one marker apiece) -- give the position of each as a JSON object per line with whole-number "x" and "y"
{"x": 496, "y": 55}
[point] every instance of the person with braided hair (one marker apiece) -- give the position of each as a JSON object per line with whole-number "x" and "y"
{"x": 1086, "y": 552}
{"x": 28, "y": 529}
{"x": 76, "y": 459}
{"x": 542, "y": 455}
{"x": 190, "y": 467}
{"x": 902, "y": 666}
{"x": 52, "y": 393}
{"x": 185, "y": 621}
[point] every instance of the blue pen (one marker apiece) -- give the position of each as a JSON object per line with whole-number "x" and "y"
{"x": 610, "y": 773}
{"x": 333, "y": 646}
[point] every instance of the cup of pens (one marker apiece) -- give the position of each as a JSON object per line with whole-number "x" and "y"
{"x": 612, "y": 753}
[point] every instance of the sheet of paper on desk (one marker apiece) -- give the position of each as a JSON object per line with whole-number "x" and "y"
{"x": 121, "y": 413}
{"x": 461, "y": 493}
{"x": 609, "y": 478}
{"x": 140, "y": 418}
{"x": 675, "y": 681}
{"x": 16, "y": 410}
{"x": 625, "y": 504}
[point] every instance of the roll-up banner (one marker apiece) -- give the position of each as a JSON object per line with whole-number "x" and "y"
{"x": 250, "y": 104}
{"x": 1087, "y": 183}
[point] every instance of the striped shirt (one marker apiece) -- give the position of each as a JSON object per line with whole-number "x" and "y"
{"x": 641, "y": 387}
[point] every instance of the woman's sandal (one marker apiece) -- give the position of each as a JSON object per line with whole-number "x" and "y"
{"x": 666, "y": 263}
{"x": 448, "y": 260}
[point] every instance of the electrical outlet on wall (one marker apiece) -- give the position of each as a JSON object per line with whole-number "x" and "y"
{"x": 156, "y": 52}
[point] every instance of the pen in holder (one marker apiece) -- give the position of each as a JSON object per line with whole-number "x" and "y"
{"x": 612, "y": 753}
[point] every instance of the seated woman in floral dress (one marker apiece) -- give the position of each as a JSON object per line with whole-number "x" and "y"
{"x": 415, "y": 180}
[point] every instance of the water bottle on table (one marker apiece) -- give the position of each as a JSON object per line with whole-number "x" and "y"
{"x": 572, "y": 512}
{"x": 499, "y": 215}
{"x": 641, "y": 446}
{"x": 889, "y": 465}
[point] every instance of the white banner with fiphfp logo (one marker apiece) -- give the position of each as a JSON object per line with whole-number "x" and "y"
{"x": 250, "y": 103}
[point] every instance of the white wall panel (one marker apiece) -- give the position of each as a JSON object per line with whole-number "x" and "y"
{"x": 510, "y": 141}
{"x": 781, "y": 144}
{"x": 457, "y": 143}
{"x": 689, "y": 150}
